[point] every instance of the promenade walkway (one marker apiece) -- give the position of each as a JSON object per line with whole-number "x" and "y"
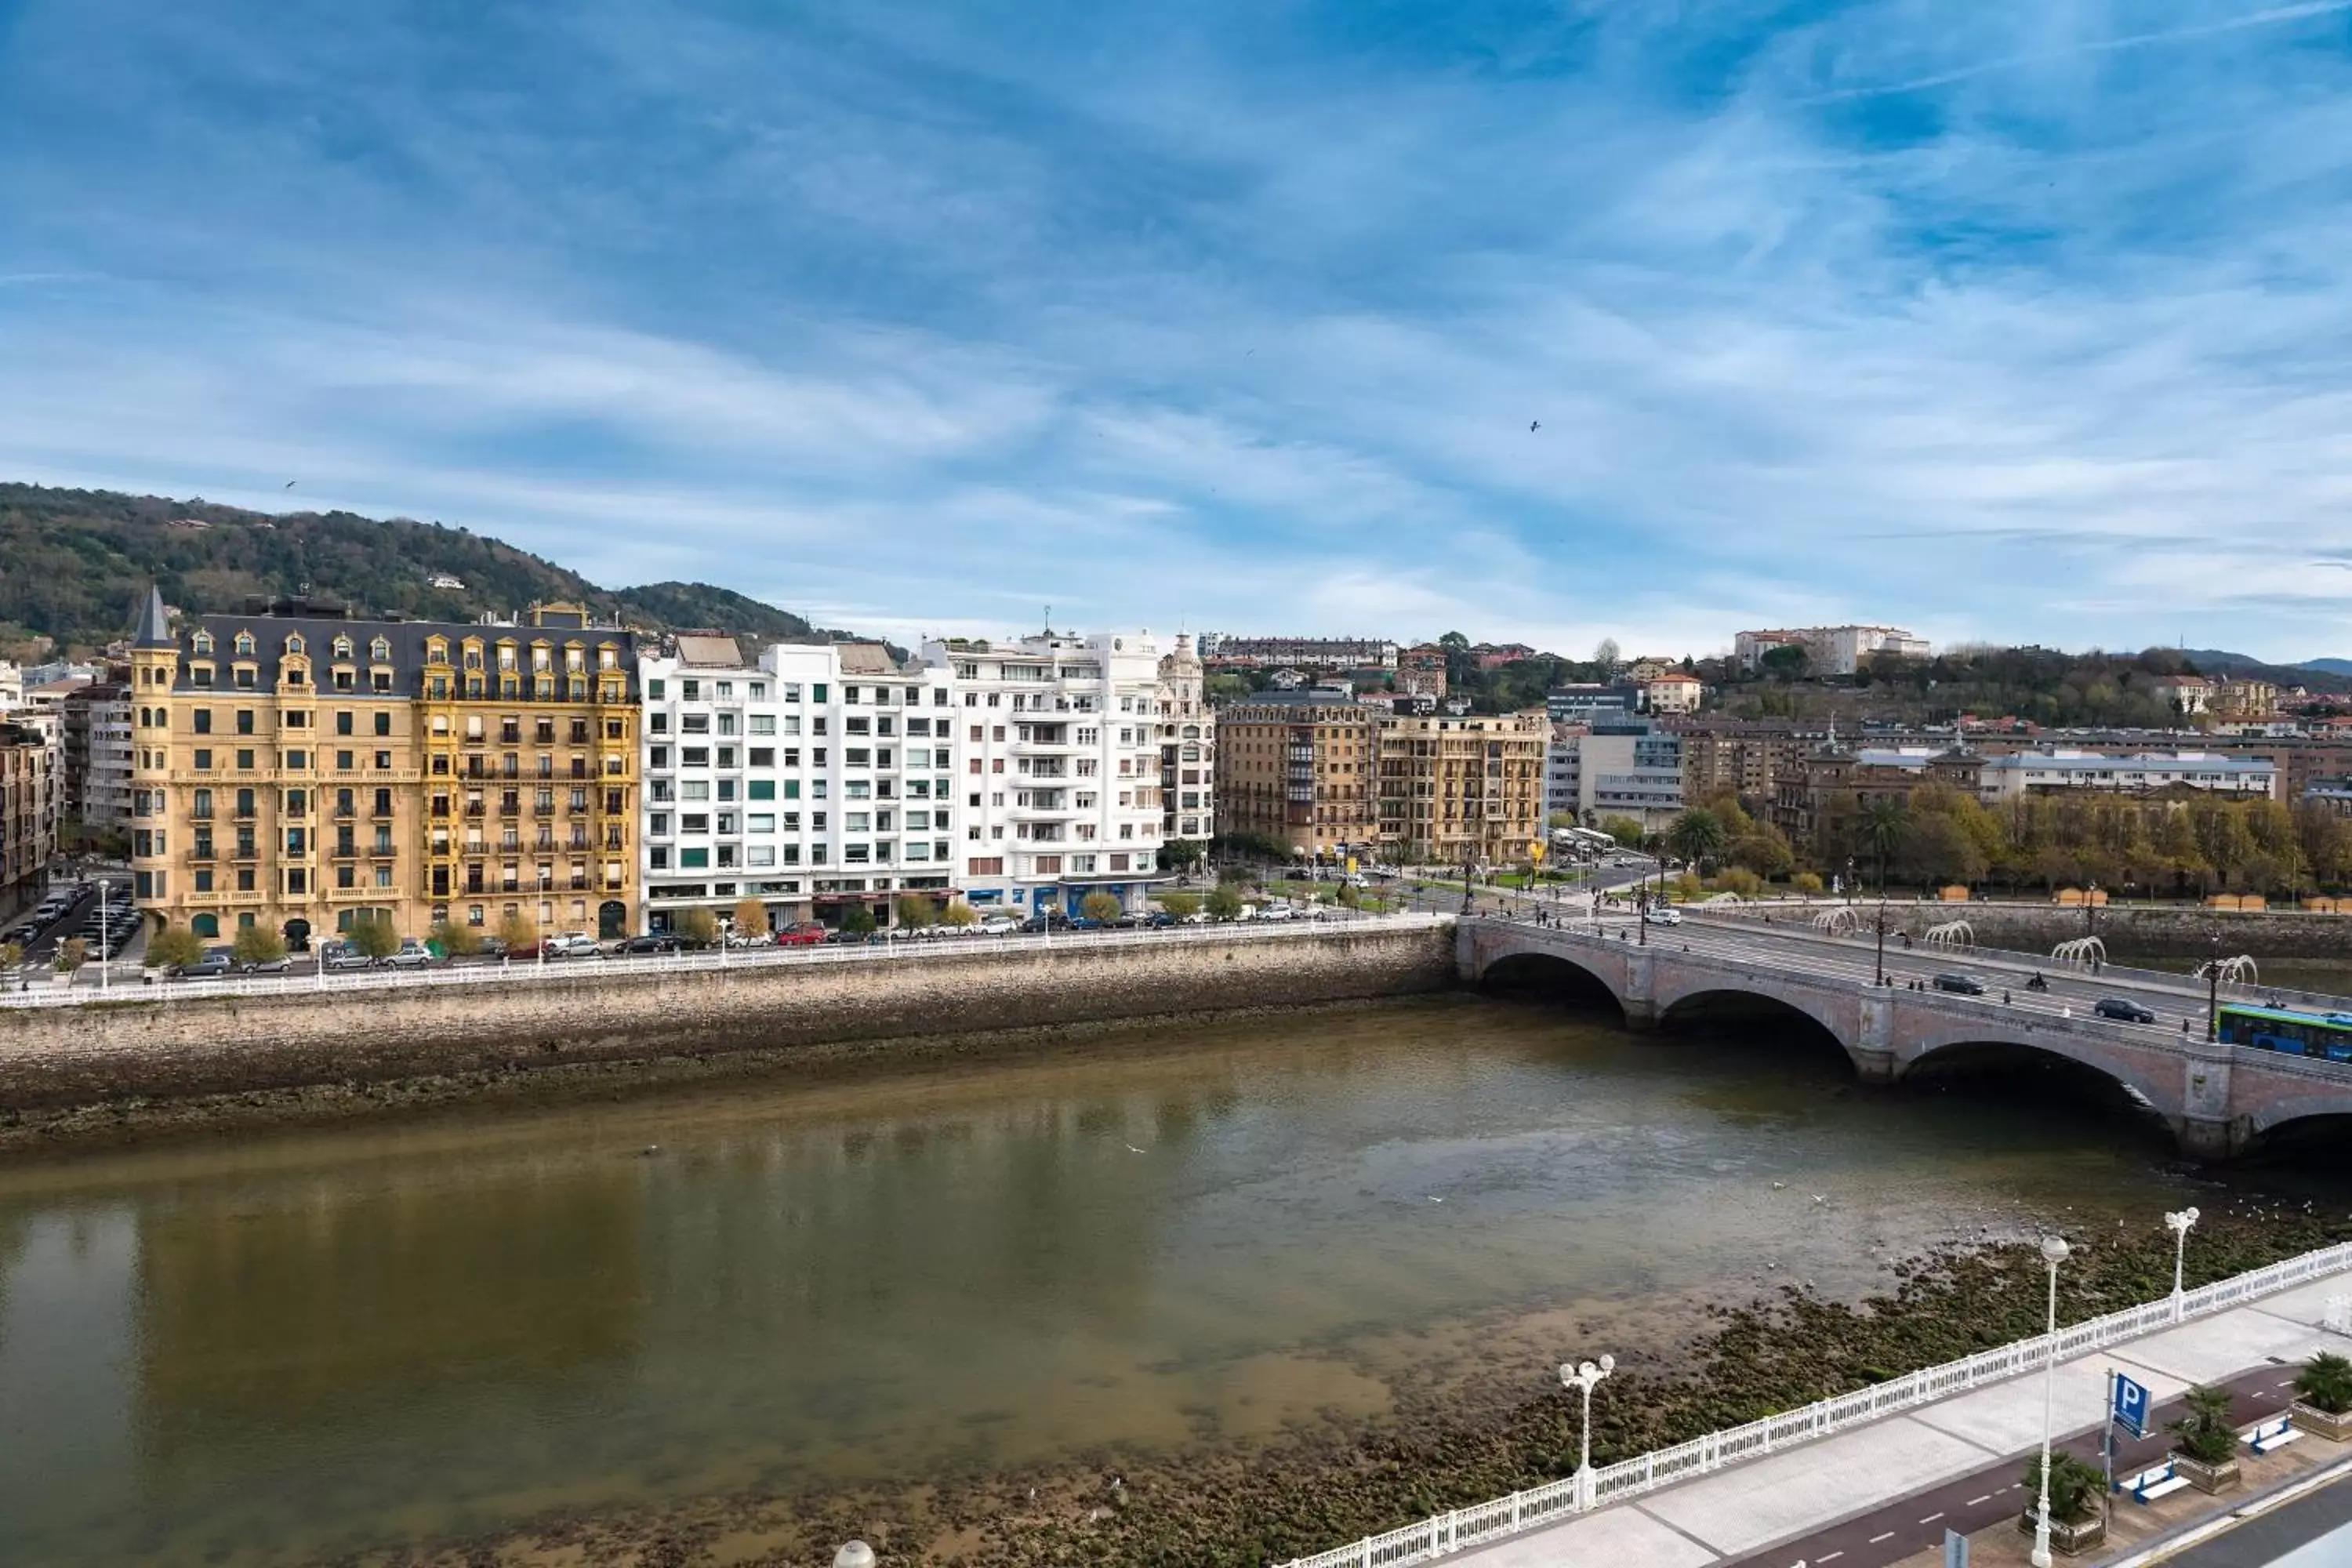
{"x": 1884, "y": 1492}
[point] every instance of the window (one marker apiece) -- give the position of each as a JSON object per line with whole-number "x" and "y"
{"x": 763, "y": 725}
{"x": 383, "y": 721}
{"x": 245, "y": 720}
{"x": 761, "y": 789}
{"x": 245, "y": 759}
{"x": 693, "y": 859}
{"x": 202, "y": 718}
{"x": 694, "y": 789}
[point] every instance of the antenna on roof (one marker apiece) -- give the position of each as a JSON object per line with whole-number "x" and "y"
{"x": 1049, "y": 620}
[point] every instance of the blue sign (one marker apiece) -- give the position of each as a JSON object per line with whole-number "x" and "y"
{"x": 1956, "y": 1548}
{"x": 2130, "y": 1410}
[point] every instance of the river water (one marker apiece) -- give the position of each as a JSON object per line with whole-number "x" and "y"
{"x": 279, "y": 1349}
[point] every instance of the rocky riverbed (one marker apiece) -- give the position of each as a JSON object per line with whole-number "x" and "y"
{"x": 1480, "y": 1417}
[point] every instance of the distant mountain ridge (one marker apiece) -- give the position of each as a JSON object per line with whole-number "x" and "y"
{"x": 74, "y": 563}
{"x": 2328, "y": 666}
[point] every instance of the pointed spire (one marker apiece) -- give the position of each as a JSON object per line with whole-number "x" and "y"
{"x": 154, "y": 627}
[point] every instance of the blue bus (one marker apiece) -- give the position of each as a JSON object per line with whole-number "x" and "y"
{"x": 2285, "y": 1030}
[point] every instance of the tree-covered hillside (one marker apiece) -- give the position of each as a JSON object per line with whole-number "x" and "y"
{"x": 74, "y": 563}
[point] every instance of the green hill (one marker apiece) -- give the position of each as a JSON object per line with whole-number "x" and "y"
{"x": 74, "y": 563}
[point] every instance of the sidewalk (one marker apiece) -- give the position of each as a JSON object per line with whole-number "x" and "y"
{"x": 1885, "y": 1493}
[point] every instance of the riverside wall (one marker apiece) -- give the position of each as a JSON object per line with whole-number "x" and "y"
{"x": 2134, "y": 931}
{"x": 144, "y": 1050}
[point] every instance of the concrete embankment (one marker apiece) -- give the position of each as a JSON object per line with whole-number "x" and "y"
{"x": 2139, "y": 931}
{"x": 66, "y": 1072}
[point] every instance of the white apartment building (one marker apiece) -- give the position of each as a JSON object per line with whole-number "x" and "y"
{"x": 2038, "y": 773}
{"x": 1059, "y": 766}
{"x": 811, "y": 779}
{"x": 1830, "y": 650}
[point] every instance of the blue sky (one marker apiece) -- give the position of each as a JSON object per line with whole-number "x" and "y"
{"x": 2007, "y": 320}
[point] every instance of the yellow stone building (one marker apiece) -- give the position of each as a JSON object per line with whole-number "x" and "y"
{"x": 1452, "y": 788}
{"x": 296, "y": 769}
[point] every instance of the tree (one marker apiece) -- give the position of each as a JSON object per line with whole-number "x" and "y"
{"x": 71, "y": 954}
{"x": 1225, "y": 903}
{"x": 1103, "y": 908}
{"x": 1806, "y": 881}
{"x": 373, "y": 936}
{"x": 1788, "y": 662}
{"x": 750, "y": 918}
{"x": 1882, "y": 830}
{"x": 1560, "y": 819}
{"x": 695, "y": 927}
{"x": 1764, "y": 851}
{"x": 1606, "y": 657}
{"x": 258, "y": 944}
{"x": 13, "y": 954}
{"x": 1697, "y": 835}
{"x": 517, "y": 932}
{"x": 857, "y": 919}
{"x": 1453, "y": 642}
{"x": 1623, "y": 829}
{"x": 960, "y": 915}
{"x": 917, "y": 913}
{"x": 173, "y": 947}
{"x": 456, "y": 938}
{"x": 1181, "y": 854}
{"x": 1934, "y": 849}
{"x": 1183, "y": 906}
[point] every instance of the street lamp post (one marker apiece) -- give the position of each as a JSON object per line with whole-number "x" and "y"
{"x": 2053, "y": 1253}
{"x": 1469, "y": 864}
{"x": 1882, "y": 943}
{"x": 2213, "y": 993}
{"x": 1584, "y": 1376}
{"x": 2179, "y": 1224}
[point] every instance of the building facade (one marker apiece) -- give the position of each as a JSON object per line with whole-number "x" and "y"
{"x": 811, "y": 779}
{"x": 1059, "y": 762}
{"x": 1297, "y": 768}
{"x": 1830, "y": 650}
{"x": 1219, "y": 651}
{"x": 97, "y": 725}
{"x": 30, "y": 790}
{"x": 1672, "y": 693}
{"x": 1187, "y": 731}
{"x": 1452, "y": 789}
{"x": 2064, "y": 772}
{"x": 1614, "y": 768}
{"x": 299, "y": 769}
{"x": 1742, "y": 758}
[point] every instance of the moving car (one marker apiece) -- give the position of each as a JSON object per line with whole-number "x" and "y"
{"x": 998, "y": 925}
{"x": 1960, "y": 984}
{"x": 278, "y": 966}
{"x": 808, "y": 933}
{"x": 2123, "y": 1009}
{"x": 211, "y": 967}
{"x": 1663, "y": 915}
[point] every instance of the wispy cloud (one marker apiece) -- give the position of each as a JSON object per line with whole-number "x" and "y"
{"x": 2007, "y": 321}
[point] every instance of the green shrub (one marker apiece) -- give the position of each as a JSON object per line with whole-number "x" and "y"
{"x": 2075, "y": 1487}
{"x": 2205, "y": 1433}
{"x": 373, "y": 936}
{"x": 173, "y": 947}
{"x": 1181, "y": 905}
{"x": 258, "y": 944}
{"x": 2325, "y": 1383}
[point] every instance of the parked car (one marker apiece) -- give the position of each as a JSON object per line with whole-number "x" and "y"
{"x": 1158, "y": 920}
{"x": 215, "y": 964}
{"x": 1276, "y": 910}
{"x": 1046, "y": 921}
{"x": 652, "y": 942}
{"x": 1663, "y": 915}
{"x": 808, "y": 933}
{"x": 2123, "y": 1009}
{"x": 998, "y": 925}
{"x": 572, "y": 944}
{"x": 278, "y": 966}
{"x": 413, "y": 954}
{"x": 1960, "y": 984}
{"x": 339, "y": 956}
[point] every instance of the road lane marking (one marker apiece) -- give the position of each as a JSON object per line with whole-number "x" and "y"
{"x": 1828, "y": 1556}
{"x": 1876, "y": 1539}
{"x": 1974, "y": 1500}
{"x": 1931, "y": 1518}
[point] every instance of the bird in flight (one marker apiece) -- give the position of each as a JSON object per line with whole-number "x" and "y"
{"x": 289, "y": 484}
{"x": 1534, "y": 426}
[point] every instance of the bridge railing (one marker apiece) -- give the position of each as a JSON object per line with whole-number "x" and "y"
{"x": 2121, "y": 973}
{"x": 42, "y": 993}
{"x": 1556, "y": 1500}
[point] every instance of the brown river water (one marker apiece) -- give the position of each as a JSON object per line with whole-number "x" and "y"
{"x": 278, "y": 1349}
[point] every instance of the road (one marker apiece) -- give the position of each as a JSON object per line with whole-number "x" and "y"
{"x": 2000, "y": 1491}
{"x": 2314, "y": 1531}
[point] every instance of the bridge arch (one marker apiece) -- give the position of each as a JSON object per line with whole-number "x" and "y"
{"x": 1715, "y": 995}
{"x": 1537, "y": 972}
{"x": 1942, "y": 1048}
{"x": 2301, "y": 1117}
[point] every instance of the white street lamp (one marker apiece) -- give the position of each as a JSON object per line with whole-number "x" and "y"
{"x": 2053, "y": 1253}
{"x": 857, "y": 1554}
{"x": 2179, "y": 1224}
{"x": 1584, "y": 1376}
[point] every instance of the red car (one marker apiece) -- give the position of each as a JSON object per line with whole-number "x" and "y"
{"x": 808, "y": 933}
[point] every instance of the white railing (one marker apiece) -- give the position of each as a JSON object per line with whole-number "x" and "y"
{"x": 43, "y": 993}
{"x": 1553, "y": 1501}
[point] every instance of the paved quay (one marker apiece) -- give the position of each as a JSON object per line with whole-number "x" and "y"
{"x": 1885, "y": 1493}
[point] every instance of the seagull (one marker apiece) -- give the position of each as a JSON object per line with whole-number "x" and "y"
{"x": 1777, "y": 1186}
{"x": 650, "y": 1151}
{"x": 1133, "y": 1150}
{"x": 1819, "y": 1199}
{"x": 289, "y": 484}
{"x": 1437, "y": 1200}
{"x": 1534, "y": 426}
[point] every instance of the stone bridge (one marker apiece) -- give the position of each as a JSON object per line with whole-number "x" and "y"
{"x": 2218, "y": 1100}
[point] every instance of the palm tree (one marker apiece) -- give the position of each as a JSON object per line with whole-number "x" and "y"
{"x": 1697, "y": 835}
{"x": 1882, "y": 830}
